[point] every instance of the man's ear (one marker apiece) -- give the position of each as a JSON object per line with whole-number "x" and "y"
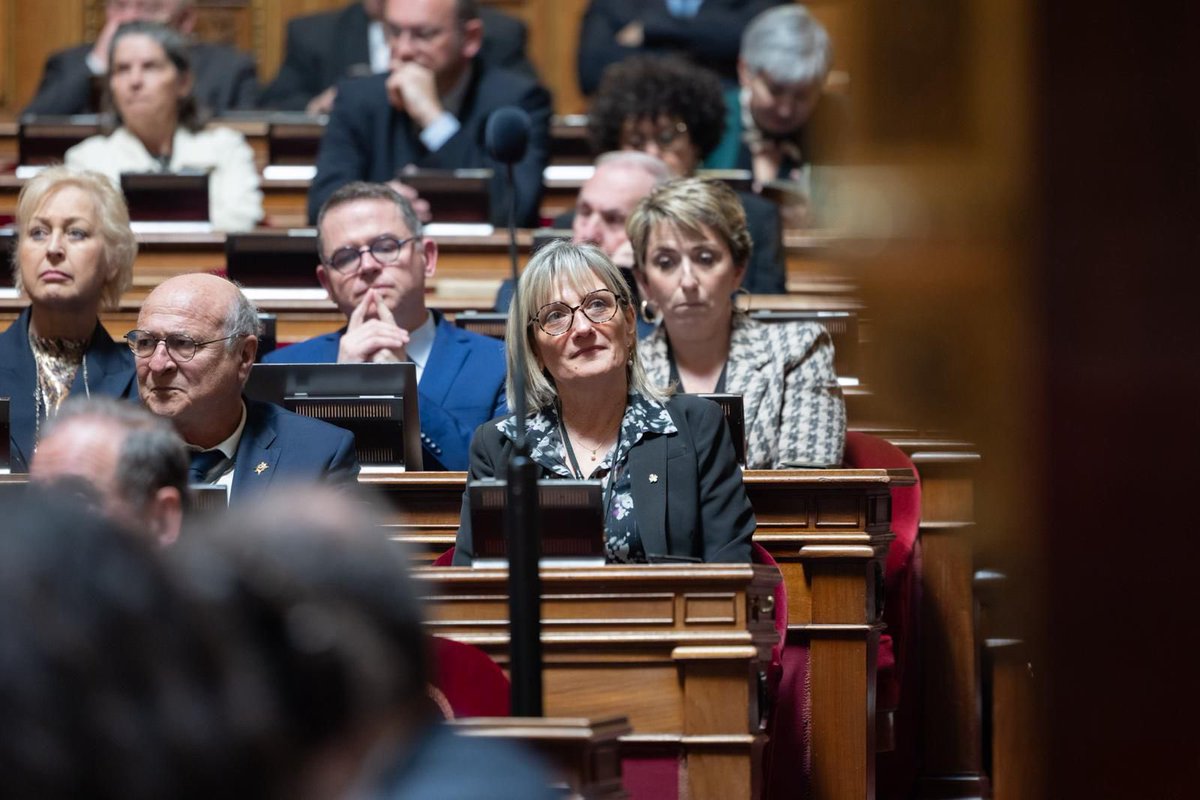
{"x": 472, "y": 39}
{"x": 429, "y": 251}
{"x": 323, "y": 279}
{"x": 745, "y": 75}
{"x": 164, "y": 515}
{"x": 246, "y": 357}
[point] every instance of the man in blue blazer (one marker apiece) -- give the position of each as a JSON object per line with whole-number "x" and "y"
{"x": 195, "y": 343}
{"x": 374, "y": 263}
{"x": 430, "y": 111}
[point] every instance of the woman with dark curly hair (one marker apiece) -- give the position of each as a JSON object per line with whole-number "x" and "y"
{"x": 672, "y": 109}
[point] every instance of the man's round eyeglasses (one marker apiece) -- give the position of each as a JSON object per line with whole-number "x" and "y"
{"x": 180, "y": 346}
{"x": 555, "y": 319}
{"x": 385, "y": 249}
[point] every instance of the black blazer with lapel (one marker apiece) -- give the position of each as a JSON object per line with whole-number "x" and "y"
{"x": 226, "y": 79}
{"x": 279, "y": 446}
{"x": 687, "y": 487}
{"x": 325, "y": 48}
{"x": 110, "y": 372}
{"x": 369, "y": 140}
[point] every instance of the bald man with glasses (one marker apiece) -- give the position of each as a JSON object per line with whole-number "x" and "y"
{"x": 374, "y": 262}
{"x": 195, "y": 342}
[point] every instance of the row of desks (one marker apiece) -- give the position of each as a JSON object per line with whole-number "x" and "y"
{"x": 681, "y": 650}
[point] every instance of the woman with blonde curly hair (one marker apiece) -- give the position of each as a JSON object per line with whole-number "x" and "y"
{"x": 74, "y": 255}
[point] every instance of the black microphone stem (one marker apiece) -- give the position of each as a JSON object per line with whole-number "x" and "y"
{"x": 524, "y": 583}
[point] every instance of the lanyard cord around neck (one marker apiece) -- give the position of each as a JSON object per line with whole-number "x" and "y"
{"x": 574, "y": 462}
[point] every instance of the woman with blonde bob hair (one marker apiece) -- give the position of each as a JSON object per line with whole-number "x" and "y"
{"x": 74, "y": 255}
{"x": 691, "y": 247}
{"x": 672, "y": 486}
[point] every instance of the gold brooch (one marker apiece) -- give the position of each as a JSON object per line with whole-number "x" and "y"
{"x": 261, "y": 468}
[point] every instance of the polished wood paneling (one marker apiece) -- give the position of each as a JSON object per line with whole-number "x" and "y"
{"x": 691, "y": 683}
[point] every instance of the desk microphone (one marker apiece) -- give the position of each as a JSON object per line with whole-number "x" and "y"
{"x": 506, "y": 137}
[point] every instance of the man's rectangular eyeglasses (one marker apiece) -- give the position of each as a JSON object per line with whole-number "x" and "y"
{"x": 180, "y": 346}
{"x": 555, "y": 319}
{"x": 385, "y": 250}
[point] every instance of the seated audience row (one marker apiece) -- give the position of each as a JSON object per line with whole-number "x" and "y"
{"x": 197, "y": 338}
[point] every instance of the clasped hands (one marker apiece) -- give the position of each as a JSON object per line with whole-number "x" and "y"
{"x": 372, "y": 334}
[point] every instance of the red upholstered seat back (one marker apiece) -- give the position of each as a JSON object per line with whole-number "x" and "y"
{"x": 469, "y": 681}
{"x": 897, "y": 683}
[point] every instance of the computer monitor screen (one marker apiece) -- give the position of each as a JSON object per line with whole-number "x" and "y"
{"x": 375, "y": 402}
{"x": 285, "y": 259}
{"x": 570, "y": 522}
{"x": 166, "y": 196}
{"x": 454, "y": 195}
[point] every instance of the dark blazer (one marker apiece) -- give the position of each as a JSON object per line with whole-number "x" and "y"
{"x": 110, "y": 372}
{"x": 712, "y": 38}
{"x": 325, "y": 48}
{"x": 461, "y": 387}
{"x": 277, "y": 445}
{"x": 367, "y": 139}
{"x": 687, "y": 487}
{"x": 225, "y": 79}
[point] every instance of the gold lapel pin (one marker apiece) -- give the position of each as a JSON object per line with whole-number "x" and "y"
{"x": 261, "y": 468}
{"x": 653, "y": 477}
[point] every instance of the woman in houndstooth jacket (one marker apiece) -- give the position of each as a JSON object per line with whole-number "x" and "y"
{"x": 690, "y": 249}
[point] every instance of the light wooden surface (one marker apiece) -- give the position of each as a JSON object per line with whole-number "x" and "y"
{"x": 676, "y": 649}
{"x": 828, "y": 530}
{"x": 584, "y": 752}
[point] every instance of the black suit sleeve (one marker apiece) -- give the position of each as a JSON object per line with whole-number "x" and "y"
{"x": 244, "y": 84}
{"x": 66, "y": 84}
{"x": 345, "y": 150}
{"x": 298, "y": 80}
{"x": 725, "y": 513}
{"x": 504, "y": 40}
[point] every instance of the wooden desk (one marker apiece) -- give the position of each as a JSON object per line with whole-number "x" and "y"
{"x": 828, "y": 530}
{"x": 679, "y": 650}
{"x": 585, "y": 752}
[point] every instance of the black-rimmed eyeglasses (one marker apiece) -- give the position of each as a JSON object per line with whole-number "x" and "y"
{"x": 385, "y": 249}
{"x": 555, "y": 319}
{"x": 180, "y": 346}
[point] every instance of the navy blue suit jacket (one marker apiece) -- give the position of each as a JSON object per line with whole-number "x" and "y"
{"x": 368, "y": 140}
{"x": 462, "y": 386}
{"x": 277, "y": 445}
{"x": 110, "y": 372}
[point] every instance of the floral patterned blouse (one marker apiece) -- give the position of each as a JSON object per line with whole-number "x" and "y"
{"x": 643, "y": 416}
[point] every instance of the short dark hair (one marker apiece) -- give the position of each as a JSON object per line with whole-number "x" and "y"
{"x": 648, "y": 87}
{"x": 305, "y": 578}
{"x": 363, "y": 190}
{"x": 113, "y": 684}
{"x": 466, "y": 10}
{"x": 152, "y": 454}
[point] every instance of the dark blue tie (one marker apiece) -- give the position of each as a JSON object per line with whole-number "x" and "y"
{"x": 202, "y": 464}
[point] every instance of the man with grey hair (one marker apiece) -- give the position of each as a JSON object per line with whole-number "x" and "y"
{"x": 196, "y": 340}
{"x": 784, "y": 61}
{"x": 225, "y": 78}
{"x": 132, "y": 464}
{"x": 373, "y": 262}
